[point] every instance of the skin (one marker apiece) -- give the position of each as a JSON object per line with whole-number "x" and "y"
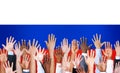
{"x": 32, "y": 51}
{"x": 59, "y": 54}
{"x": 51, "y": 45}
{"x": 117, "y": 48}
{"x": 3, "y": 59}
{"x": 84, "y": 47}
{"x": 90, "y": 61}
{"x": 97, "y": 41}
{"x": 108, "y": 50}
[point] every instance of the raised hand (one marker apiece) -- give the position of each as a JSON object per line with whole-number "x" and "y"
{"x": 33, "y": 48}
{"x": 3, "y": 55}
{"x": 46, "y": 63}
{"x": 97, "y": 41}
{"x": 9, "y": 43}
{"x": 102, "y": 65}
{"x": 65, "y": 46}
{"x": 59, "y": 54}
{"x": 117, "y": 48}
{"x": 51, "y": 44}
{"x": 117, "y": 68}
{"x": 84, "y": 47}
{"x": 40, "y": 54}
{"x": 8, "y": 68}
{"x": 80, "y": 70}
{"x": 77, "y": 60}
{"x": 108, "y": 50}
{"x": 66, "y": 64}
{"x": 17, "y": 50}
{"x": 90, "y": 59}
{"x": 75, "y": 46}
{"x": 23, "y": 45}
{"x": 25, "y": 62}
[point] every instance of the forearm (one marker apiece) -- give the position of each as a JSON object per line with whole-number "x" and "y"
{"x": 52, "y": 65}
{"x": 2, "y": 70}
{"x": 90, "y": 69}
{"x": 19, "y": 69}
{"x": 32, "y": 65}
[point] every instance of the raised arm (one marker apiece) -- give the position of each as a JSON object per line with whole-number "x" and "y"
{"x": 51, "y": 45}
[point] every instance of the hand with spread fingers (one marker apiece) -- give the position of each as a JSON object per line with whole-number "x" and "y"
{"x": 65, "y": 46}
{"x": 77, "y": 60}
{"x": 9, "y": 44}
{"x": 90, "y": 59}
{"x": 59, "y": 55}
{"x": 117, "y": 68}
{"x": 102, "y": 65}
{"x": 40, "y": 54}
{"x": 46, "y": 63}
{"x": 117, "y": 48}
{"x": 33, "y": 48}
{"x": 3, "y": 55}
{"x": 66, "y": 65}
{"x": 17, "y": 51}
{"x": 25, "y": 62}
{"x": 84, "y": 47}
{"x": 8, "y": 68}
{"x": 97, "y": 41}
{"x": 80, "y": 70}
{"x": 23, "y": 45}
{"x": 51, "y": 44}
{"x": 108, "y": 50}
{"x": 75, "y": 46}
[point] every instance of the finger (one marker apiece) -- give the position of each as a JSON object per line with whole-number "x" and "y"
{"x": 8, "y": 64}
{"x": 10, "y": 39}
{"x": 22, "y": 41}
{"x": 7, "y": 40}
{"x": 38, "y": 46}
{"x": 49, "y": 38}
{"x": 46, "y": 42}
{"x": 94, "y": 38}
{"x": 99, "y": 37}
{"x": 29, "y": 43}
{"x": 36, "y": 43}
{"x": 33, "y": 43}
{"x": 93, "y": 41}
{"x": 3, "y": 46}
{"x": 14, "y": 42}
{"x": 90, "y": 45}
{"x": 12, "y": 65}
{"x": 103, "y": 43}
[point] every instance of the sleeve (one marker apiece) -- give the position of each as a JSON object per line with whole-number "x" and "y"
{"x": 97, "y": 58}
{"x": 83, "y": 63}
{"x": 58, "y": 68}
{"x": 40, "y": 68}
{"x": 117, "y": 59}
{"x": 109, "y": 68}
{"x": 12, "y": 59}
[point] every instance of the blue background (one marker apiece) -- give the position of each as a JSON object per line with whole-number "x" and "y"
{"x": 40, "y": 32}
